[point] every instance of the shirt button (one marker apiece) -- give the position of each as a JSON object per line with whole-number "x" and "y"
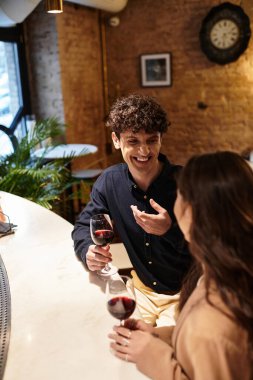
{"x": 150, "y": 262}
{"x": 145, "y": 197}
{"x": 147, "y": 244}
{"x": 135, "y": 186}
{"x": 154, "y": 283}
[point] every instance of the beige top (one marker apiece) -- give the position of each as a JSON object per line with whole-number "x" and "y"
{"x": 205, "y": 344}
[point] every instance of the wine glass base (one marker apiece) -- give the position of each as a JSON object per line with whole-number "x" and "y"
{"x": 108, "y": 271}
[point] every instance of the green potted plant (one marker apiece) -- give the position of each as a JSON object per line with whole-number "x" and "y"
{"x": 34, "y": 179}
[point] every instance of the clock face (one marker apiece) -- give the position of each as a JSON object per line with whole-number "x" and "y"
{"x": 224, "y": 34}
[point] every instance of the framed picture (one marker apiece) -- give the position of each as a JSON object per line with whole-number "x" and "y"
{"x": 156, "y": 70}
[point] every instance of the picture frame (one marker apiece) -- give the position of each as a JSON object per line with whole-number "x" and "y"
{"x": 156, "y": 70}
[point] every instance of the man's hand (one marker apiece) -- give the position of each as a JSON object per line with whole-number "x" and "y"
{"x": 156, "y": 224}
{"x": 97, "y": 257}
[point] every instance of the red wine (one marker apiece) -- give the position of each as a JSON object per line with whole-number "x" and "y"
{"x": 103, "y": 237}
{"x": 121, "y": 307}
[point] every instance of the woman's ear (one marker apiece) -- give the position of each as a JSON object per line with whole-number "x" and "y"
{"x": 188, "y": 212}
{"x": 187, "y": 221}
{"x": 115, "y": 140}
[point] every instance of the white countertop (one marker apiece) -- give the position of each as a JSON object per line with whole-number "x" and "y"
{"x": 59, "y": 320}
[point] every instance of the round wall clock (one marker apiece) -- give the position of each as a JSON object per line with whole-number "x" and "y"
{"x": 225, "y": 33}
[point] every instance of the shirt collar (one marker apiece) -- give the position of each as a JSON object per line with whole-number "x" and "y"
{"x": 163, "y": 159}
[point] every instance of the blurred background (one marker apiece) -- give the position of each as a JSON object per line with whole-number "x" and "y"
{"x": 73, "y": 66}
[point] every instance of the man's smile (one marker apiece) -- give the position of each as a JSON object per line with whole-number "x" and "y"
{"x": 142, "y": 159}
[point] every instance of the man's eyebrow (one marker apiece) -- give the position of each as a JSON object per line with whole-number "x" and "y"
{"x": 131, "y": 137}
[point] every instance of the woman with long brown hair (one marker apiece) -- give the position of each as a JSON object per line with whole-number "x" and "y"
{"x": 213, "y": 337}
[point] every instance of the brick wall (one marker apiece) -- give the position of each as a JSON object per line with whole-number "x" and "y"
{"x": 148, "y": 26}
{"x": 65, "y": 68}
{"x": 43, "y": 64}
{"x": 81, "y": 77}
{"x": 72, "y": 42}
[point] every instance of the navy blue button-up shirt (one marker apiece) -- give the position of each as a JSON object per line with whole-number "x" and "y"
{"x": 160, "y": 261}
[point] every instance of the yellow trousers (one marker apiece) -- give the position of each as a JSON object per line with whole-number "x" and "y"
{"x": 157, "y": 309}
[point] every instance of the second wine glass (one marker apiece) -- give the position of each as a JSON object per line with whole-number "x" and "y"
{"x": 120, "y": 294}
{"x": 101, "y": 231}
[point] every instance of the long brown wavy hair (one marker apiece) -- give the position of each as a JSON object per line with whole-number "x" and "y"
{"x": 219, "y": 188}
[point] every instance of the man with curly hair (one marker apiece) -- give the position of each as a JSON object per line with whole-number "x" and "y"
{"x": 139, "y": 196}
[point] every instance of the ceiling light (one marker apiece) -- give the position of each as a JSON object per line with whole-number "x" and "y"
{"x": 54, "y": 6}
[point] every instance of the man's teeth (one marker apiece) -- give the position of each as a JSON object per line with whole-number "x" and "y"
{"x": 141, "y": 159}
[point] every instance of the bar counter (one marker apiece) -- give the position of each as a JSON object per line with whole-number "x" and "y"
{"x": 59, "y": 320}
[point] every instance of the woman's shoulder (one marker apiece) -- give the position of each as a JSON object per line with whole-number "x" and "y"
{"x": 212, "y": 320}
{"x": 207, "y": 341}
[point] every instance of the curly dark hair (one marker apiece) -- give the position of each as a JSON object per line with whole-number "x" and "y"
{"x": 219, "y": 188}
{"x": 137, "y": 112}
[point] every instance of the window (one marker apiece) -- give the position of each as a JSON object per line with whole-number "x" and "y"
{"x": 14, "y": 89}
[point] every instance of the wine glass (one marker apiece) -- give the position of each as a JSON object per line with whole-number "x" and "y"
{"x": 101, "y": 231}
{"x": 120, "y": 295}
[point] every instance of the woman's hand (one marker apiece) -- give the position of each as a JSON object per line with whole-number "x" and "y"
{"x": 129, "y": 344}
{"x": 97, "y": 257}
{"x": 156, "y": 224}
{"x": 139, "y": 346}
